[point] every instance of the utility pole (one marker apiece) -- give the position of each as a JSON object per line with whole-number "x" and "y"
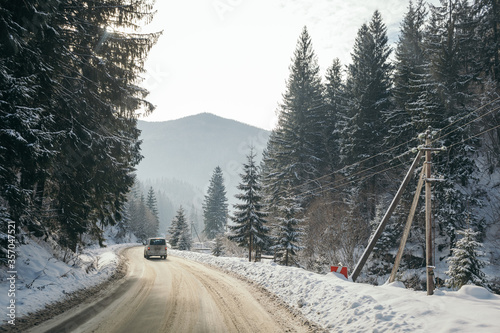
{"x": 425, "y": 175}
{"x": 196, "y": 232}
{"x": 385, "y": 219}
{"x": 429, "y": 260}
{"x": 428, "y": 215}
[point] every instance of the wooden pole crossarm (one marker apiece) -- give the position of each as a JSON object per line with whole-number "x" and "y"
{"x": 434, "y": 180}
{"x": 431, "y": 149}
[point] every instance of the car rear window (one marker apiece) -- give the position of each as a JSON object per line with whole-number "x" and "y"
{"x": 157, "y": 242}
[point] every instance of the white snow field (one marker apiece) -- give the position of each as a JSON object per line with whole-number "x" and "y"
{"x": 330, "y": 300}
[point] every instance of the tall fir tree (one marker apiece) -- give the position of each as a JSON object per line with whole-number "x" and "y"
{"x": 26, "y": 140}
{"x": 185, "y": 239}
{"x": 450, "y": 75}
{"x": 97, "y": 98}
{"x": 215, "y": 206}
{"x": 151, "y": 202}
{"x": 409, "y": 71}
{"x": 335, "y": 102}
{"x": 367, "y": 90}
{"x": 404, "y": 122}
{"x": 250, "y": 229}
{"x": 487, "y": 50}
{"x": 296, "y": 152}
{"x": 487, "y": 13}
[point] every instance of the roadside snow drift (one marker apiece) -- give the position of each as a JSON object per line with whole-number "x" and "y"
{"x": 343, "y": 306}
{"x": 42, "y": 279}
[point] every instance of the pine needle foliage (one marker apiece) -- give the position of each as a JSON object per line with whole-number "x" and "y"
{"x": 250, "y": 229}
{"x": 289, "y": 230}
{"x": 180, "y": 236}
{"x": 215, "y": 206}
{"x": 464, "y": 264}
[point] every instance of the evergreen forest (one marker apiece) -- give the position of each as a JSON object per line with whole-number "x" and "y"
{"x": 345, "y": 141}
{"x": 70, "y": 97}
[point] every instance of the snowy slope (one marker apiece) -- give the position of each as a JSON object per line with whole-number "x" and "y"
{"x": 328, "y": 300}
{"x": 42, "y": 279}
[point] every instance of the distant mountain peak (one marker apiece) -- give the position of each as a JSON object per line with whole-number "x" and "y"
{"x": 205, "y": 117}
{"x": 188, "y": 149}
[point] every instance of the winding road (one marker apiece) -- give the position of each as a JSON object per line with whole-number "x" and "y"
{"x": 177, "y": 295}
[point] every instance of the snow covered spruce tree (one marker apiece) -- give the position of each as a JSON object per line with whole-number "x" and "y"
{"x": 143, "y": 223}
{"x": 152, "y": 205}
{"x": 464, "y": 264}
{"x": 404, "y": 120}
{"x": 250, "y": 228}
{"x": 185, "y": 240}
{"x": 215, "y": 206}
{"x": 80, "y": 82}
{"x": 335, "y": 103}
{"x": 296, "y": 151}
{"x": 26, "y": 139}
{"x": 365, "y": 98}
{"x": 218, "y": 249}
{"x": 100, "y": 146}
{"x": 367, "y": 92}
{"x": 488, "y": 46}
{"x": 180, "y": 236}
{"x": 288, "y": 231}
{"x": 450, "y": 83}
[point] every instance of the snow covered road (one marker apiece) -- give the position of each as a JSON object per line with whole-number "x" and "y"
{"x": 177, "y": 295}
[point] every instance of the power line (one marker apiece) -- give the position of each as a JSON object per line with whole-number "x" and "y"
{"x": 402, "y": 144}
{"x": 336, "y": 185}
{"x": 390, "y": 168}
{"x": 456, "y": 129}
{"x": 474, "y": 136}
{"x": 360, "y": 162}
{"x": 473, "y": 111}
{"x": 359, "y": 179}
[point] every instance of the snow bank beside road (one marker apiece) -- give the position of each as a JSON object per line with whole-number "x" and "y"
{"x": 343, "y": 306}
{"x": 42, "y": 279}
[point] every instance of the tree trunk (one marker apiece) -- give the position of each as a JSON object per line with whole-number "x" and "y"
{"x": 250, "y": 244}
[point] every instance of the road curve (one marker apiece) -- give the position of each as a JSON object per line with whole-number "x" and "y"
{"x": 177, "y": 295}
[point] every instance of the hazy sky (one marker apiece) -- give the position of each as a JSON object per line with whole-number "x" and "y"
{"x": 232, "y": 57}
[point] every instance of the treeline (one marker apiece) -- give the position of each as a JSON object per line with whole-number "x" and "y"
{"x": 139, "y": 216}
{"x": 172, "y": 193}
{"x": 69, "y": 97}
{"x": 344, "y": 142}
{"x": 146, "y": 213}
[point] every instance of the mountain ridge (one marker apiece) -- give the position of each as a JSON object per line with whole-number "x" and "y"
{"x": 189, "y": 149}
